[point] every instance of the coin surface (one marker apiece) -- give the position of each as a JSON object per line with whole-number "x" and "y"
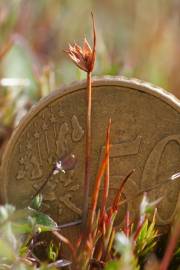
{"x": 145, "y": 135}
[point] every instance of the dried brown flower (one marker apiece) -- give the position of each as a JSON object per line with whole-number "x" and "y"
{"x": 84, "y": 57}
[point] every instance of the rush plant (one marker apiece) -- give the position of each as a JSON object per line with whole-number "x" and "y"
{"x": 84, "y": 58}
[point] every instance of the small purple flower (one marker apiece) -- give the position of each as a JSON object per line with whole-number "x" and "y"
{"x": 66, "y": 163}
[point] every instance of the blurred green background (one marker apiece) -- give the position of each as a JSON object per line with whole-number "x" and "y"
{"x": 135, "y": 38}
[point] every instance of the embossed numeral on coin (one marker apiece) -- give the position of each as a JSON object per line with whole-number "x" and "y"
{"x": 151, "y": 170}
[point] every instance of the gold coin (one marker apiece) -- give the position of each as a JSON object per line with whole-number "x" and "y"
{"x": 145, "y": 135}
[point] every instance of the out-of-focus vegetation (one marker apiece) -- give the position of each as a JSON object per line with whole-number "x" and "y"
{"x": 23, "y": 244}
{"x": 135, "y": 38}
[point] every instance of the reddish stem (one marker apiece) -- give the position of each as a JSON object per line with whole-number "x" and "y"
{"x": 139, "y": 227}
{"x": 102, "y": 169}
{"x": 106, "y": 181}
{"x": 170, "y": 248}
{"x": 66, "y": 241}
{"x": 87, "y": 152}
{"x": 119, "y": 192}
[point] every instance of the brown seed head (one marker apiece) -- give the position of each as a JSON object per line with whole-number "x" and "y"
{"x": 84, "y": 57}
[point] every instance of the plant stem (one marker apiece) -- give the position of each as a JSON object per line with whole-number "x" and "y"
{"x": 170, "y": 248}
{"x": 100, "y": 174}
{"x": 66, "y": 241}
{"x": 40, "y": 189}
{"x": 106, "y": 188}
{"x": 87, "y": 153}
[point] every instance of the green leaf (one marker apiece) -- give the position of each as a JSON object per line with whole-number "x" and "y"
{"x": 21, "y": 228}
{"x": 146, "y": 240}
{"x": 53, "y": 252}
{"x": 42, "y": 221}
{"x": 23, "y": 250}
{"x": 113, "y": 265}
{"x": 177, "y": 251}
{"x": 37, "y": 201}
